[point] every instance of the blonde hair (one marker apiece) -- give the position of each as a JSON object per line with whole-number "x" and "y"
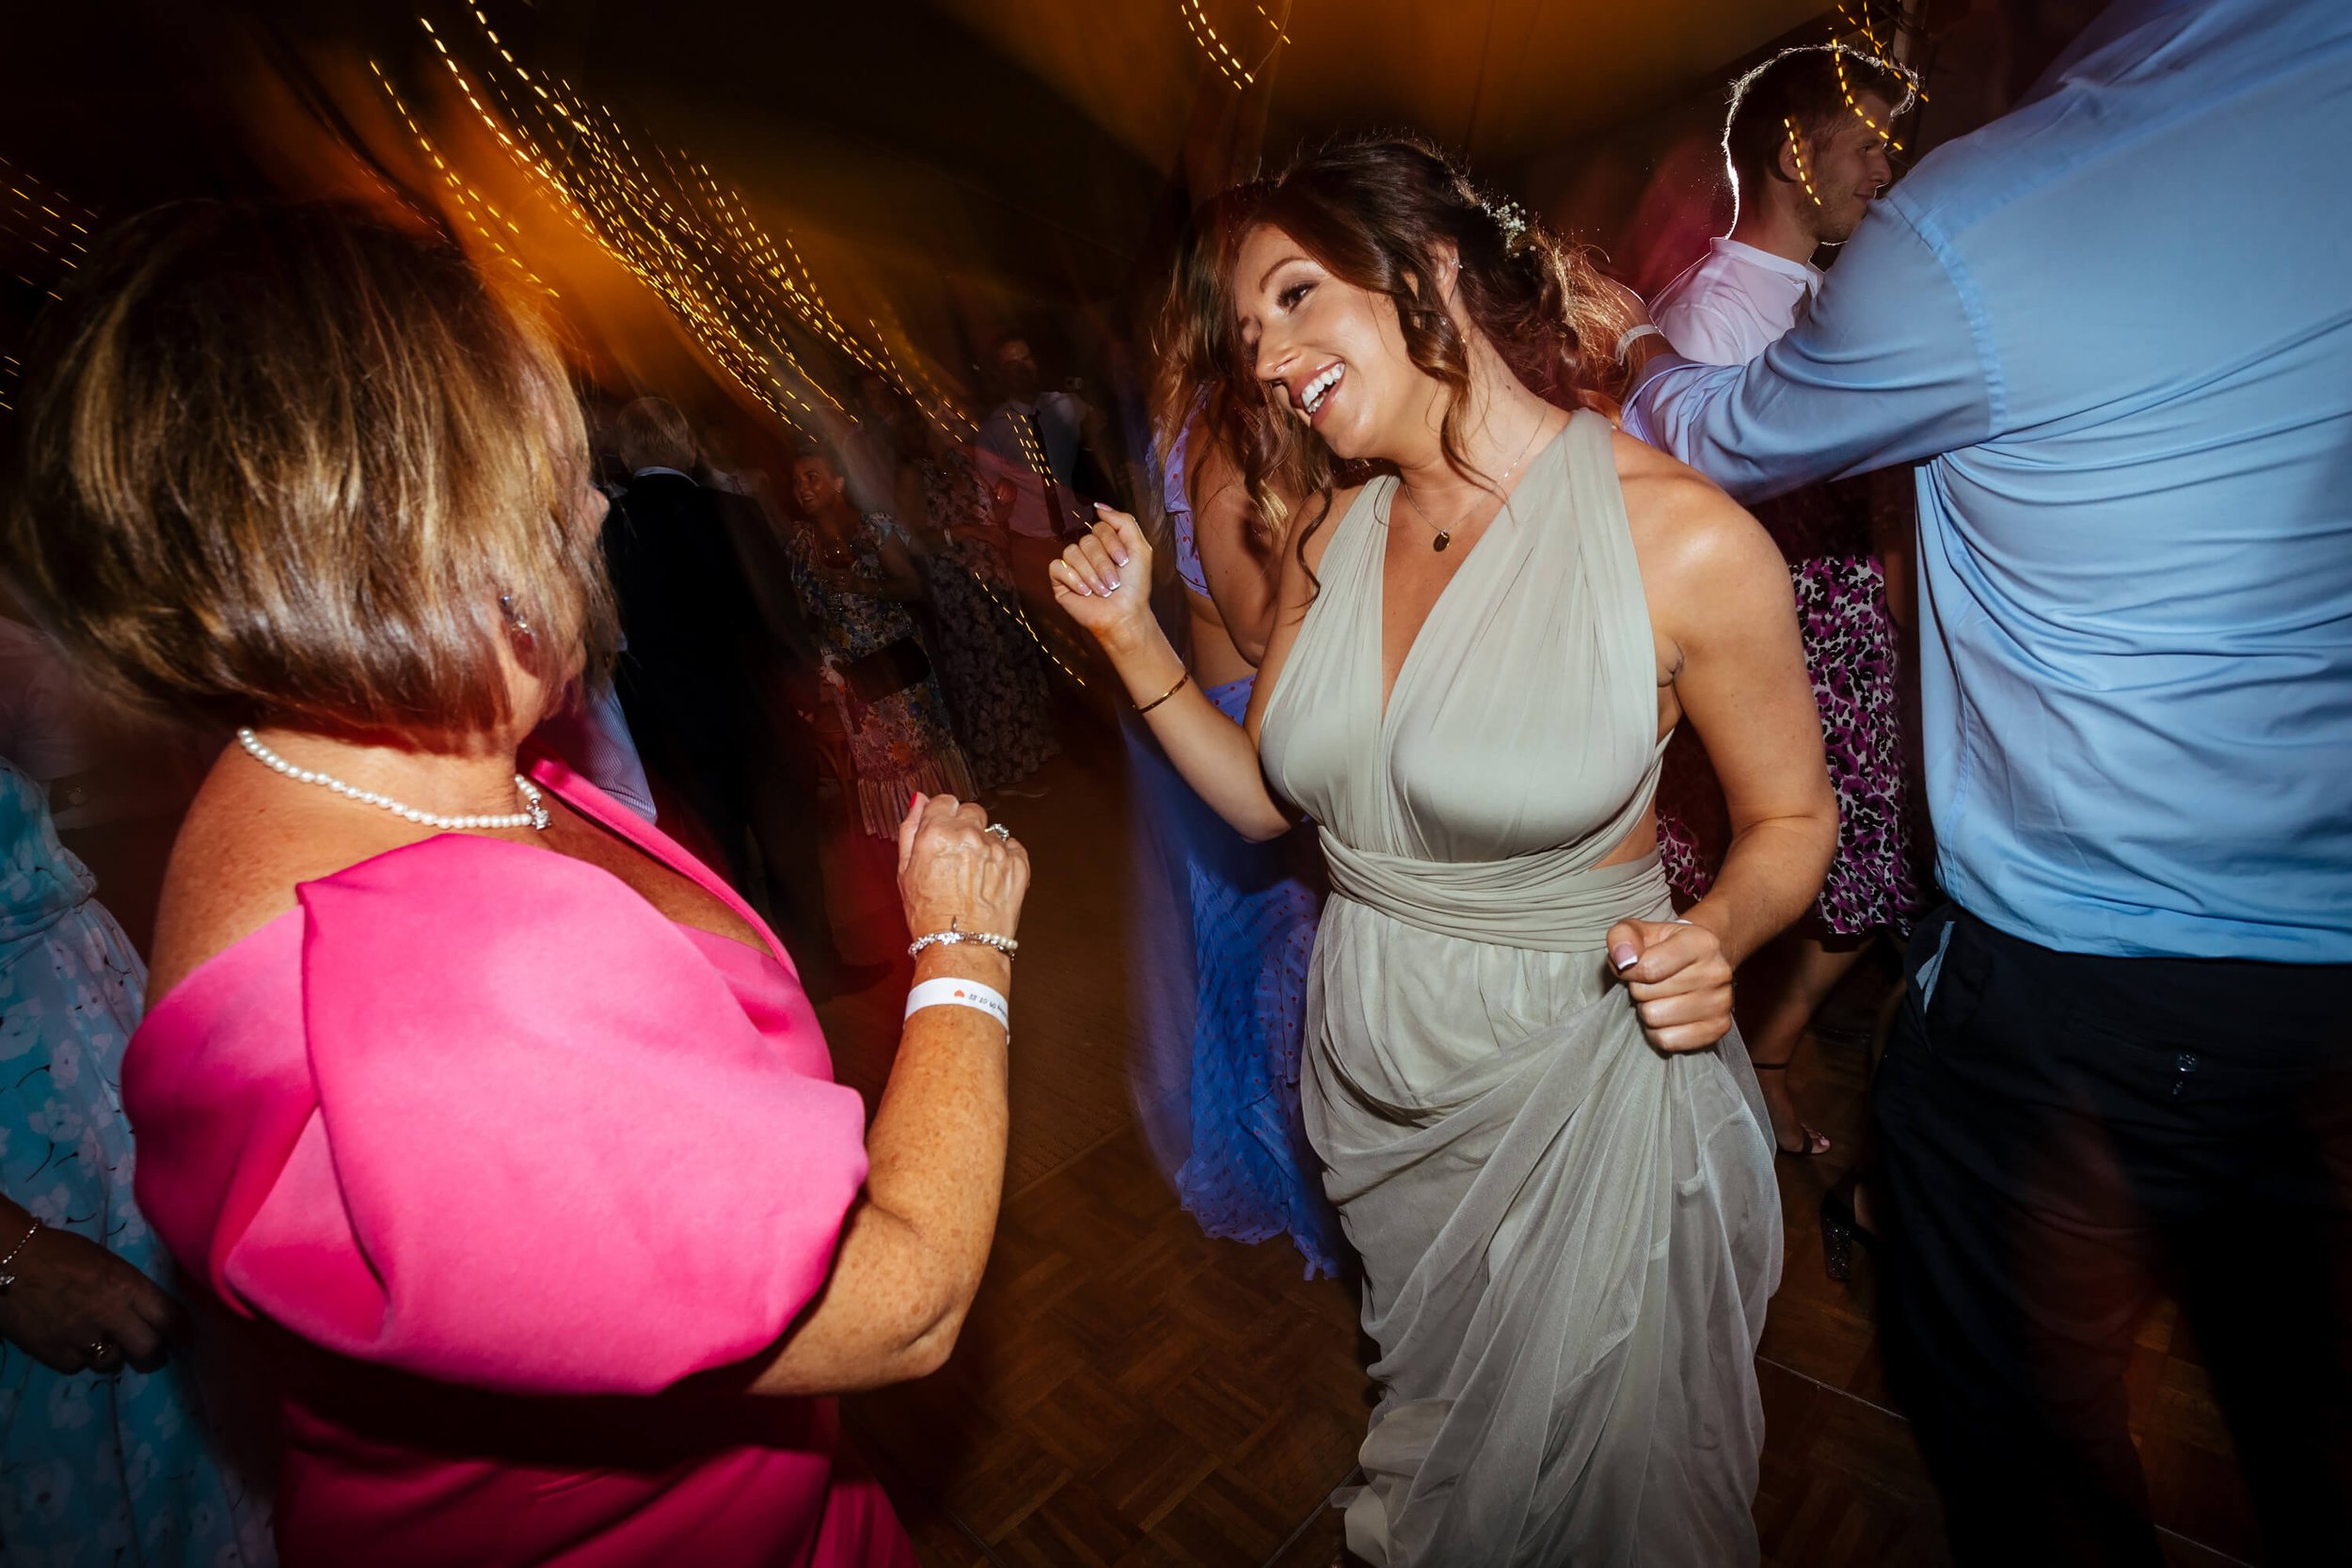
{"x": 654, "y": 434}
{"x": 286, "y": 463}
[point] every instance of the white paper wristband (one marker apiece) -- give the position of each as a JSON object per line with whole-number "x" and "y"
{"x": 960, "y": 993}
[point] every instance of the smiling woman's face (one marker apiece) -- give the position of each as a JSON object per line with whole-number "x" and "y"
{"x": 1330, "y": 352}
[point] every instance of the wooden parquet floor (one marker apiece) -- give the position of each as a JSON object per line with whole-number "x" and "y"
{"x": 1128, "y": 1392}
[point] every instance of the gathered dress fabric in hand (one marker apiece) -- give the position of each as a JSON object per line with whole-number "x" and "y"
{"x": 1569, "y": 1238}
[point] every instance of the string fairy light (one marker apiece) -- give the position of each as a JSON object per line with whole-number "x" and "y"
{"x": 661, "y": 215}
{"x": 687, "y": 236}
{"x": 44, "y": 234}
{"x": 1197, "y": 22}
{"x": 668, "y": 219}
{"x": 1796, "y": 150}
{"x": 1235, "y": 71}
{"x": 1837, "y": 58}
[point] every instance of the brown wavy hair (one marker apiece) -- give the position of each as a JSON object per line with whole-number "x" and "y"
{"x": 1193, "y": 348}
{"x": 1380, "y": 212}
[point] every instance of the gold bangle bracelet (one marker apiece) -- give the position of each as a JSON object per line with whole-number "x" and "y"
{"x": 1167, "y": 694}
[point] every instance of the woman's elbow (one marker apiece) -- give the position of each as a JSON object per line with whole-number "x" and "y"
{"x": 1821, "y": 824}
{"x": 928, "y": 1351}
{"x": 1262, "y": 830}
{"x": 927, "y": 1336}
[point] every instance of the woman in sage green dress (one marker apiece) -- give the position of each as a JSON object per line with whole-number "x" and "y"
{"x": 1520, "y": 1077}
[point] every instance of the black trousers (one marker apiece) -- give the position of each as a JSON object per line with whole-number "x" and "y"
{"x": 2064, "y": 1135}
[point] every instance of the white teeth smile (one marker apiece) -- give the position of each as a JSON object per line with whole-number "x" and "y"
{"x": 1311, "y": 397}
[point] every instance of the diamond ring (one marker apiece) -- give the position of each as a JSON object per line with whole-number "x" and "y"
{"x": 1004, "y": 835}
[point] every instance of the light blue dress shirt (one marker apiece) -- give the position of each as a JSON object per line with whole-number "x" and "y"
{"x": 2116, "y": 328}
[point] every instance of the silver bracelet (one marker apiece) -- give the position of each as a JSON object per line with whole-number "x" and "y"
{"x": 955, "y": 933}
{"x": 8, "y": 1279}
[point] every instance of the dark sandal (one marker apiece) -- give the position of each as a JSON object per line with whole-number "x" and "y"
{"x": 1814, "y": 1144}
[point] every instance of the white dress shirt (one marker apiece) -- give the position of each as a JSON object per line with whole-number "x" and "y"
{"x": 1730, "y": 304}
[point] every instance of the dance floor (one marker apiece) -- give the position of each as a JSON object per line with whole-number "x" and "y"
{"x": 1127, "y": 1392}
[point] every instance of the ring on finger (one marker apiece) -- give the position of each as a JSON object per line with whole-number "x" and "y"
{"x": 1004, "y": 835}
{"x": 101, "y": 1354}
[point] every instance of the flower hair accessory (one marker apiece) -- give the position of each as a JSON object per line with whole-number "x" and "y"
{"x": 1511, "y": 218}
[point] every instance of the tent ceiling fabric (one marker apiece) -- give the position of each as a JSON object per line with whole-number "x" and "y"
{"x": 1499, "y": 80}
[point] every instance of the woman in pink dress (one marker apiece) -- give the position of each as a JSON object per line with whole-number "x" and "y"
{"x": 504, "y": 1124}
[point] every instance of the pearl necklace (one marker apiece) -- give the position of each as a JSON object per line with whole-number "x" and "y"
{"x": 534, "y": 816}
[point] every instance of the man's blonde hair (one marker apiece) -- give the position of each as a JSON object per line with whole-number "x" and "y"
{"x": 286, "y": 463}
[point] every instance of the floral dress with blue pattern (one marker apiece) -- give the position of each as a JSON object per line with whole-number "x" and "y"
{"x": 114, "y": 1470}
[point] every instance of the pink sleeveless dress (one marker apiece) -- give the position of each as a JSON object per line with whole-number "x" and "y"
{"x": 517, "y": 1182}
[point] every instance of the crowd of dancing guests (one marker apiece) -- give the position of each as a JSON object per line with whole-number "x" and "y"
{"x": 487, "y": 1127}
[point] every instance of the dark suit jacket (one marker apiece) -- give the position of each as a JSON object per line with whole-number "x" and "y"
{"x": 700, "y": 647}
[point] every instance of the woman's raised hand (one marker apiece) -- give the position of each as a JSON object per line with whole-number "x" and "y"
{"x": 1103, "y": 581}
{"x": 953, "y": 873}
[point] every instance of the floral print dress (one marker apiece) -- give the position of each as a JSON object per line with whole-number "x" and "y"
{"x": 94, "y": 1471}
{"x": 1852, "y": 651}
{"x": 898, "y": 744}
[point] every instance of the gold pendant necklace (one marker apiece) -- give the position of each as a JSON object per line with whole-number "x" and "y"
{"x": 1445, "y": 536}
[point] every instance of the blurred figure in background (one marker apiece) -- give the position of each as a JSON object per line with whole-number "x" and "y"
{"x": 1246, "y": 1173}
{"x": 1035, "y": 438}
{"x": 2122, "y": 1057}
{"x": 858, "y": 585}
{"x": 115, "y": 795}
{"x": 1804, "y": 166}
{"x": 991, "y": 668}
{"x": 105, "y": 1451}
{"x": 691, "y": 628}
{"x": 715, "y": 669}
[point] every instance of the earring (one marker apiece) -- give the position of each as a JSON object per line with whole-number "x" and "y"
{"x": 513, "y": 616}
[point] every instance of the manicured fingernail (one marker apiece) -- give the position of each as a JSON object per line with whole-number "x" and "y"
{"x": 1624, "y": 957}
{"x": 1119, "y": 560}
{"x": 1113, "y": 588}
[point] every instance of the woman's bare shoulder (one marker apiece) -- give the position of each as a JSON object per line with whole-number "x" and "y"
{"x": 239, "y": 855}
{"x": 1685, "y": 529}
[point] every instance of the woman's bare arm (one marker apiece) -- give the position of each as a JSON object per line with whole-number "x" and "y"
{"x": 1104, "y": 582}
{"x": 1243, "y": 570}
{"x": 912, "y": 1250}
{"x": 1724, "y": 617}
{"x": 1741, "y": 683}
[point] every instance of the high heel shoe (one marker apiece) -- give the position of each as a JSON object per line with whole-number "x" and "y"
{"x": 1840, "y": 1230}
{"x": 1810, "y": 1142}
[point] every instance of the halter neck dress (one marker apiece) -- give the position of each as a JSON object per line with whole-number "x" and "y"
{"x": 1569, "y": 1238}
